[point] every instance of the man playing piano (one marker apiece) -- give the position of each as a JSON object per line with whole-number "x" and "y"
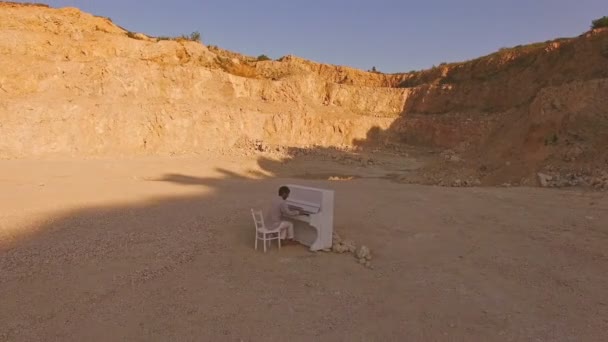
{"x": 278, "y": 211}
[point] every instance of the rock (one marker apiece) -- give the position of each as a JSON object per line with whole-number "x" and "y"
{"x": 573, "y": 153}
{"x": 447, "y": 154}
{"x": 363, "y": 253}
{"x": 598, "y": 183}
{"x": 141, "y": 36}
{"x": 362, "y": 261}
{"x": 455, "y": 159}
{"x": 368, "y": 264}
{"x": 476, "y": 182}
{"x": 457, "y": 183}
{"x": 559, "y": 183}
{"x": 343, "y": 246}
{"x": 336, "y": 238}
{"x": 544, "y": 179}
{"x": 350, "y": 245}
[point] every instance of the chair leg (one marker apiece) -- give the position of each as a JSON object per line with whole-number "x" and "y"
{"x": 256, "y": 240}
{"x": 279, "y": 239}
{"x": 264, "y": 243}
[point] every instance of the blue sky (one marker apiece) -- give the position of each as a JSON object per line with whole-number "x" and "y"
{"x": 393, "y": 36}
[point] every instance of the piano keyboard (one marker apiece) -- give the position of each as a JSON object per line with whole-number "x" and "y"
{"x": 303, "y": 206}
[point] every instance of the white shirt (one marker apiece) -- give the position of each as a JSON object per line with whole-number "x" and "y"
{"x": 274, "y": 215}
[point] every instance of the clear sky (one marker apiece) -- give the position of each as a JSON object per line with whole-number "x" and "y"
{"x": 392, "y": 35}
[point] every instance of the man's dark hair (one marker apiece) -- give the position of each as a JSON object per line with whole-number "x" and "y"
{"x": 283, "y": 190}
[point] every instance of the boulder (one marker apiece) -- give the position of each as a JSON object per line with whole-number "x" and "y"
{"x": 544, "y": 179}
{"x": 364, "y": 253}
{"x": 350, "y": 245}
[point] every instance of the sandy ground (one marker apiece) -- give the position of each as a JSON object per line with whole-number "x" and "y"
{"x": 161, "y": 249}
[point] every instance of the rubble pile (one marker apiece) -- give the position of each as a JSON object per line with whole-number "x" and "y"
{"x": 363, "y": 254}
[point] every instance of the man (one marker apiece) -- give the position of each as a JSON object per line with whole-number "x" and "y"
{"x": 279, "y": 209}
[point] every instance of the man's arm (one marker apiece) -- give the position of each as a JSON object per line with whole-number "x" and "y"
{"x": 286, "y": 211}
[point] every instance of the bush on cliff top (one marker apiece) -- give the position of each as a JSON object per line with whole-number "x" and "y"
{"x": 601, "y": 22}
{"x": 194, "y": 36}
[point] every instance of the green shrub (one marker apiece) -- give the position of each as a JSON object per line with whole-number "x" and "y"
{"x": 263, "y": 58}
{"x": 601, "y": 22}
{"x": 195, "y": 36}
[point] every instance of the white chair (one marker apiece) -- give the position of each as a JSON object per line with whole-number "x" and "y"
{"x": 262, "y": 233}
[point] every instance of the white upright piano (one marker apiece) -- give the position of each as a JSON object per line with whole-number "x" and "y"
{"x": 314, "y": 228}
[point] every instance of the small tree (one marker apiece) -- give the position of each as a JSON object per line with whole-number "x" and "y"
{"x": 374, "y": 69}
{"x": 263, "y": 58}
{"x": 195, "y": 36}
{"x": 601, "y": 22}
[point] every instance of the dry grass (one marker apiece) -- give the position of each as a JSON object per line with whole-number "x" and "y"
{"x": 133, "y": 35}
{"x": 193, "y": 37}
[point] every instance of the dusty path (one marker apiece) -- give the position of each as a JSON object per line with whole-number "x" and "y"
{"x": 162, "y": 249}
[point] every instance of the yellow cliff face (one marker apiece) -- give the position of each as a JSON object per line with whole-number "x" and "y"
{"x": 76, "y": 84}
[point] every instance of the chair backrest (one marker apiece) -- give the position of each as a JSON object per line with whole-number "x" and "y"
{"x": 258, "y": 219}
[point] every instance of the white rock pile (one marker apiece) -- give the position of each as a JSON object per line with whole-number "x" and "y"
{"x": 341, "y": 246}
{"x": 365, "y": 256}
